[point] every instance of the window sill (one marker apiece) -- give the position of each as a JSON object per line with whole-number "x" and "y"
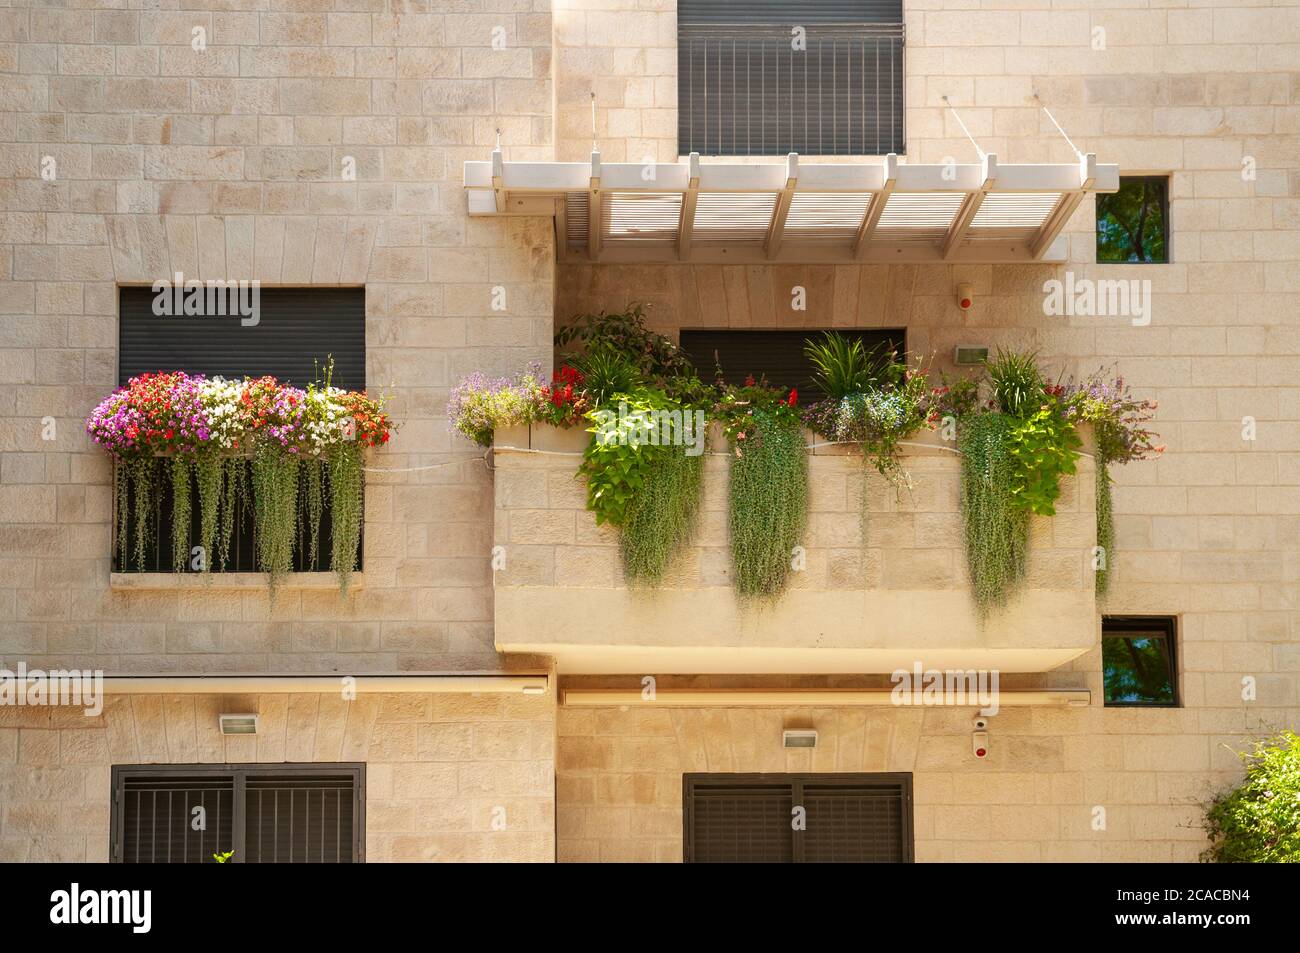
{"x": 236, "y": 581}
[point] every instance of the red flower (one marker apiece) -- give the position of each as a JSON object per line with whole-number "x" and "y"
{"x": 794, "y": 397}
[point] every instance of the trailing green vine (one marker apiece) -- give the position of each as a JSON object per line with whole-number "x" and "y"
{"x": 313, "y": 496}
{"x": 660, "y": 521}
{"x": 181, "y": 512}
{"x": 769, "y": 500}
{"x": 234, "y": 493}
{"x": 346, "y": 490}
{"x": 275, "y": 504}
{"x": 208, "y": 475}
{"x": 143, "y": 471}
{"x": 1105, "y": 530}
{"x": 996, "y": 525}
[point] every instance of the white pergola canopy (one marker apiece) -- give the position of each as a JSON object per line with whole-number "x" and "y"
{"x": 869, "y": 212}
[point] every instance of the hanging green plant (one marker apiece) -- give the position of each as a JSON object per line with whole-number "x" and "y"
{"x": 769, "y": 500}
{"x": 208, "y": 475}
{"x": 1105, "y": 530}
{"x": 143, "y": 471}
{"x": 179, "y": 467}
{"x": 122, "y": 509}
{"x": 346, "y": 491}
{"x": 234, "y": 480}
{"x": 996, "y": 525}
{"x": 660, "y": 520}
{"x": 275, "y": 504}
{"x": 313, "y": 495}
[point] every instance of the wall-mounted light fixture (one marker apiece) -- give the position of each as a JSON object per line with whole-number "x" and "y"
{"x": 238, "y": 724}
{"x": 799, "y": 738}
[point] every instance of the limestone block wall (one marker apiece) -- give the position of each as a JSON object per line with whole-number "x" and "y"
{"x": 232, "y": 161}
{"x": 619, "y": 775}
{"x": 437, "y": 767}
{"x": 884, "y": 583}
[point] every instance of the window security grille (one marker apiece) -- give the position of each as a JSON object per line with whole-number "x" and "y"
{"x": 273, "y": 814}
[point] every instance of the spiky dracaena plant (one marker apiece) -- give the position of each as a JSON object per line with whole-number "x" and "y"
{"x": 346, "y": 490}
{"x": 660, "y": 519}
{"x": 769, "y": 502}
{"x": 996, "y": 527}
{"x": 1017, "y": 382}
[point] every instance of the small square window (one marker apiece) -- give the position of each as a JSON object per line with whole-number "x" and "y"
{"x": 1138, "y": 661}
{"x": 1133, "y": 223}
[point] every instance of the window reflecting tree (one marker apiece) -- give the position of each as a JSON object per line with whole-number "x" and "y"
{"x": 1132, "y": 224}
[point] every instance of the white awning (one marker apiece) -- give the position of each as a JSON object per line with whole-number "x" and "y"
{"x": 788, "y": 212}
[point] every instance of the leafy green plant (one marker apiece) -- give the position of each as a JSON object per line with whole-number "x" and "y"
{"x": 312, "y": 494}
{"x": 1259, "y": 821}
{"x": 656, "y": 358}
{"x": 769, "y": 500}
{"x": 223, "y": 857}
{"x": 996, "y": 525}
{"x": 845, "y": 366}
{"x": 1017, "y": 382}
{"x": 1042, "y": 448}
{"x": 660, "y": 520}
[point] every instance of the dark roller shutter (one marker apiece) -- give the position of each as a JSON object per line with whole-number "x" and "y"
{"x": 745, "y": 823}
{"x": 298, "y": 331}
{"x": 854, "y": 822}
{"x": 263, "y": 813}
{"x": 748, "y": 818}
{"x": 743, "y": 89}
{"x": 777, "y": 354}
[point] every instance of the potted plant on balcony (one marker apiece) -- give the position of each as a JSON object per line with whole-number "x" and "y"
{"x": 251, "y": 441}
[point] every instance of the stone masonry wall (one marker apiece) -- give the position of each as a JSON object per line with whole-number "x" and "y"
{"x": 1207, "y": 532}
{"x": 437, "y": 767}
{"x": 228, "y": 162}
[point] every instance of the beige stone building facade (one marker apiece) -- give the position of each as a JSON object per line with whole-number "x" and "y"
{"x": 322, "y": 143}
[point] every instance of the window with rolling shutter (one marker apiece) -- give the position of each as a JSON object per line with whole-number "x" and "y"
{"x": 299, "y": 332}
{"x": 181, "y": 814}
{"x": 778, "y": 355}
{"x": 750, "y": 818}
{"x": 769, "y": 77}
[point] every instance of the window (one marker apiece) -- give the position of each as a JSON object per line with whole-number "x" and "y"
{"x": 769, "y": 77}
{"x": 286, "y": 813}
{"x": 750, "y": 818}
{"x": 1138, "y": 658}
{"x": 1133, "y": 223}
{"x": 779, "y": 355}
{"x": 297, "y": 333}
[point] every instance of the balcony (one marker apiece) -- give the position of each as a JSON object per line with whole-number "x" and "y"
{"x": 864, "y": 603}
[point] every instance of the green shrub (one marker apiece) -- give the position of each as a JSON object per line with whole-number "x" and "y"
{"x": 1259, "y": 821}
{"x": 996, "y": 525}
{"x": 769, "y": 499}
